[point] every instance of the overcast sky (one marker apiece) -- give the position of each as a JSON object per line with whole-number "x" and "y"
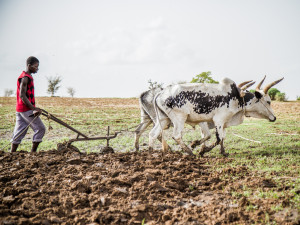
{"x": 112, "y": 48}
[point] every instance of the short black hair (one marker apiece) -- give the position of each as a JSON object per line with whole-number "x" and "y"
{"x": 32, "y": 60}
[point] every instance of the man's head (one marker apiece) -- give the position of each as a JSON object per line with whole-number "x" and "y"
{"x": 32, "y": 64}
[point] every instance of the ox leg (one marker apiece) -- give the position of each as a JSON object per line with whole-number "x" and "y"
{"x": 177, "y": 135}
{"x": 141, "y": 128}
{"x": 165, "y": 146}
{"x": 220, "y": 136}
{"x": 222, "y": 149}
{"x": 220, "y": 133}
{"x": 156, "y": 132}
{"x": 205, "y": 134}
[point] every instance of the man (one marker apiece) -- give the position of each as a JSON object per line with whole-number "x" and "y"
{"x": 26, "y": 106}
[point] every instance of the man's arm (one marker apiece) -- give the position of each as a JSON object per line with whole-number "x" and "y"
{"x": 25, "y": 100}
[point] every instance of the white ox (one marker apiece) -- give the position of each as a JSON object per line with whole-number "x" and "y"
{"x": 148, "y": 116}
{"x": 223, "y": 104}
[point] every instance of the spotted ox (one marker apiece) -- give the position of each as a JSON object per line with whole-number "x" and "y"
{"x": 223, "y": 104}
{"x": 148, "y": 116}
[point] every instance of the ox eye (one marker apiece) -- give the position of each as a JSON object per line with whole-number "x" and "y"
{"x": 269, "y": 102}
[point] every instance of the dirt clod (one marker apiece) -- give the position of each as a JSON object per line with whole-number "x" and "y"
{"x": 65, "y": 186}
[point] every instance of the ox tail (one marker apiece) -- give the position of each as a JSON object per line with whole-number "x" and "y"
{"x": 165, "y": 146}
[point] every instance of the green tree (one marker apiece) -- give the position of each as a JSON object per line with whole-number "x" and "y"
{"x": 204, "y": 77}
{"x": 252, "y": 91}
{"x": 280, "y": 97}
{"x": 53, "y": 83}
{"x": 272, "y": 93}
{"x": 154, "y": 84}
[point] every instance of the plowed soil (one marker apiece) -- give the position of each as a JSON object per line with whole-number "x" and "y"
{"x": 64, "y": 186}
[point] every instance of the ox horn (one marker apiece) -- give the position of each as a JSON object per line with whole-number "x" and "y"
{"x": 260, "y": 83}
{"x": 242, "y": 84}
{"x": 266, "y": 88}
{"x": 247, "y": 86}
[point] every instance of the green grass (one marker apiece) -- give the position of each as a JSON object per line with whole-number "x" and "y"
{"x": 277, "y": 156}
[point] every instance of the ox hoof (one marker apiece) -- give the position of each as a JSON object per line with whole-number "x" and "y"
{"x": 204, "y": 149}
{"x": 194, "y": 144}
{"x": 188, "y": 151}
{"x": 224, "y": 154}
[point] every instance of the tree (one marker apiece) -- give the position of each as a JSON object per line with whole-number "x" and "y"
{"x": 204, "y": 77}
{"x": 252, "y": 91}
{"x": 154, "y": 84}
{"x": 8, "y": 92}
{"x": 71, "y": 91}
{"x": 280, "y": 97}
{"x": 53, "y": 84}
{"x": 273, "y": 92}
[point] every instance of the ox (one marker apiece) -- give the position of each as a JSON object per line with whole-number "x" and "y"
{"x": 223, "y": 104}
{"x": 148, "y": 116}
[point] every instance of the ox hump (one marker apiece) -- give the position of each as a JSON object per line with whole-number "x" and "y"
{"x": 226, "y": 81}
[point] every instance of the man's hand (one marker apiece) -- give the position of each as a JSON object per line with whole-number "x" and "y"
{"x": 37, "y": 112}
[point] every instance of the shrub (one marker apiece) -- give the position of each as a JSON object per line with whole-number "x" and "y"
{"x": 53, "y": 84}
{"x": 8, "y": 92}
{"x": 272, "y": 93}
{"x": 154, "y": 84}
{"x": 71, "y": 91}
{"x": 298, "y": 98}
{"x": 280, "y": 97}
{"x": 204, "y": 77}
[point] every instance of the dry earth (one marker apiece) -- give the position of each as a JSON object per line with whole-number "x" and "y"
{"x": 65, "y": 186}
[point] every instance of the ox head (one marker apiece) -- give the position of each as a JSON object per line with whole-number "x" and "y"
{"x": 260, "y": 106}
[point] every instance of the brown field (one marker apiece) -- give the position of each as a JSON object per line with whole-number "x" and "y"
{"x": 66, "y": 186}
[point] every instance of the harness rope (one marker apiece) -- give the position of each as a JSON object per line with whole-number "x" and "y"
{"x": 266, "y": 107}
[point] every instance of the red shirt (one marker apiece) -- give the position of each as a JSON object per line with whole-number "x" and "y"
{"x": 21, "y": 107}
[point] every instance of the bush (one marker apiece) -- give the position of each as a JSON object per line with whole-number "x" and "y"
{"x": 280, "y": 97}
{"x": 154, "y": 84}
{"x": 272, "y": 93}
{"x": 8, "y": 92}
{"x": 298, "y": 98}
{"x": 53, "y": 84}
{"x": 204, "y": 77}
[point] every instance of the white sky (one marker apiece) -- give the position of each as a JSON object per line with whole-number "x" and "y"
{"x": 112, "y": 48}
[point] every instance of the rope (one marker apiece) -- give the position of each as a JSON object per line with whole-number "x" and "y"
{"x": 266, "y": 107}
{"x": 244, "y": 106}
{"x": 49, "y": 126}
{"x": 21, "y": 132}
{"x": 128, "y": 128}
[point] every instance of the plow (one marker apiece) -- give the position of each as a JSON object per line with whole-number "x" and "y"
{"x": 80, "y": 135}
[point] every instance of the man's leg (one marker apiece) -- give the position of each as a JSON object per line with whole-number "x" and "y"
{"x": 14, "y": 147}
{"x": 19, "y": 132}
{"x": 39, "y": 132}
{"x": 35, "y": 146}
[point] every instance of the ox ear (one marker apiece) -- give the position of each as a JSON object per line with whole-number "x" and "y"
{"x": 258, "y": 95}
{"x": 242, "y": 93}
{"x": 243, "y": 86}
